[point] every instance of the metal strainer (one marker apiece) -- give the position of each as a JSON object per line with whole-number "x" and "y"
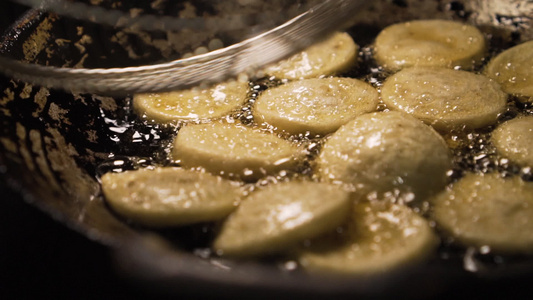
{"x": 254, "y": 33}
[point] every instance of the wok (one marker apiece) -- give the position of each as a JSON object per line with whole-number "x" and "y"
{"x": 54, "y": 145}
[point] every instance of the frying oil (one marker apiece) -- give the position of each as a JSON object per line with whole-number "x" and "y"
{"x": 142, "y": 144}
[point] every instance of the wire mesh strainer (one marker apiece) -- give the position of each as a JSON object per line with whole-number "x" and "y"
{"x": 254, "y": 32}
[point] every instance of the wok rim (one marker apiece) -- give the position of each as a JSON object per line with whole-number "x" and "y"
{"x": 133, "y": 253}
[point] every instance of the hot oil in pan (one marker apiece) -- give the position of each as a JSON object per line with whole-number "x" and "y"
{"x": 141, "y": 144}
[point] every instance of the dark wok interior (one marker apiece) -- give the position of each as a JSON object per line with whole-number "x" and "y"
{"x": 69, "y": 244}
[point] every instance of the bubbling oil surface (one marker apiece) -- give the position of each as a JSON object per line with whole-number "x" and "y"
{"x": 141, "y": 144}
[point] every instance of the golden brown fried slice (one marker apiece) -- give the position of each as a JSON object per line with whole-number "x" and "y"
{"x": 386, "y": 154}
{"x": 233, "y": 150}
{"x": 514, "y": 140}
{"x": 487, "y": 210}
{"x": 170, "y": 196}
{"x": 196, "y": 104}
{"x": 430, "y": 43}
{"x": 513, "y": 69}
{"x": 332, "y": 56}
{"x": 280, "y": 215}
{"x": 380, "y": 237}
{"x": 445, "y": 99}
{"x": 319, "y": 106}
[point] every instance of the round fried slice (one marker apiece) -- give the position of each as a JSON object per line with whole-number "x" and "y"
{"x": 514, "y": 140}
{"x": 331, "y": 56}
{"x": 165, "y": 197}
{"x": 277, "y": 217}
{"x": 233, "y": 150}
{"x": 513, "y": 69}
{"x": 386, "y": 154}
{"x": 380, "y": 237}
{"x": 436, "y": 43}
{"x": 487, "y": 210}
{"x": 446, "y": 99}
{"x": 319, "y": 105}
{"x": 195, "y": 104}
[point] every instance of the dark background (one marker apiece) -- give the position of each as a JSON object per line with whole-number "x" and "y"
{"x": 40, "y": 258}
